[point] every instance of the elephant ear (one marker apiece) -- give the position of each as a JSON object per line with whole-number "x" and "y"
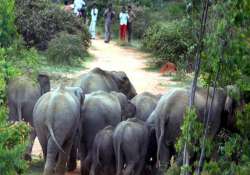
{"x": 44, "y": 82}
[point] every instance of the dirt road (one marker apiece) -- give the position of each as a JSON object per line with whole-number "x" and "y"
{"x": 113, "y": 57}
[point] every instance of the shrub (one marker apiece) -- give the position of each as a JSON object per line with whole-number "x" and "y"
{"x": 66, "y": 49}
{"x": 141, "y": 22}
{"x": 39, "y": 21}
{"x": 169, "y": 42}
{"x": 13, "y": 136}
{"x": 7, "y": 27}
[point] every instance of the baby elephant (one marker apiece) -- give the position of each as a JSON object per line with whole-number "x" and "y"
{"x": 56, "y": 117}
{"x": 103, "y": 155}
{"x": 130, "y": 140}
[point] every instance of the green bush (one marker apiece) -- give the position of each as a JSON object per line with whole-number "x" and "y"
{"x": 66, "y": 49}
{"x": 39, "y": 21}
{"x": 13, "y": 136}
{"x": 169, "y": 42}
{"x": 141, "y": 22}
{"x": 7, "y": 27}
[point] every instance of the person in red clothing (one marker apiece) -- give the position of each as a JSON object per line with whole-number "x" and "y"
{"x": 123, "y": 23}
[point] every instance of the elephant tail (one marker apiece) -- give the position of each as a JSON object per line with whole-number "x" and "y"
{"x": 54, "y": 139}
{"x": 160, "y": 136}
{"x": 119, "y": 158}
{"x": 98, "y": 154}
{"x": 19, "y": 111}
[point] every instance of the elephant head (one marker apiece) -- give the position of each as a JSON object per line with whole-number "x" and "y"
{"x": 128, "y": 108}
{"x": 124, "y": 84}
{"x": 44, "y": 83}
{"x": 233, "y": 102}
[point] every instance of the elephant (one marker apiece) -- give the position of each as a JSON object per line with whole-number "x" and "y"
{"x": 168, "y": 116}
{"x": 103, "y": 155}
{"x": 145, "y": 104}
{"x": 130, "y": 140}
{"x": 100, "y": 109}
{"x": 22, "y": 95}
{"x": 98, "y": 79}
{"x": 56, "y": 117}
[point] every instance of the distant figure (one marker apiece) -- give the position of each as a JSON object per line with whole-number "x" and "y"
{"x": 94, "y": 13}
{"x": 123, "y": 23}
{"x": 109, "y": 15}
{"x": 130, "y": 20}
{"x": 80, "y": 9}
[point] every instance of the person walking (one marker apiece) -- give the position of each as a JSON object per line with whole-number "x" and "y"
{"x": 130, "y": 20}
{"x": 92, "y": 27}
{"x": 80, "y": 9}
{"x": 123, "y": 23}
{"x": 109, "y": 15}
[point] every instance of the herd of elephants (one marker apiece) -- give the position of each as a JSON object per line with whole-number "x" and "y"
{"x": 102, "y": 121}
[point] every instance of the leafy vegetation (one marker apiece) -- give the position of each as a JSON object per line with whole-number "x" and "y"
{"x": 39, "y": 21}
{"x": 66, "y": 49}
{"x": 14, "y": 59}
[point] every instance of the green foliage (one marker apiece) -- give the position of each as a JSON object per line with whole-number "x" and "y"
{"x": 66, "y": 49}
{"x": 228, "y": 42}
{"x": 7, "y": 27}
{"x": 169, "y": 42}
{"x": 39, "y": 21}
{"x": 243, "y": 121}
{"x": 13, "y": 136}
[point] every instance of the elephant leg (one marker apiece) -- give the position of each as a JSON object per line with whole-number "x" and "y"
{"x": 165, "y": 157}
{"x": 93, "y": 168}
{"x": 61, "y": 163}
{"x": 139, "y": 167}
{"x": 30, "y": 146}
{"x": 83, "y": 158}
{"x": 72, "y": 162}
{"x": 129, "y": 170}
{"x": 52, "y": 152}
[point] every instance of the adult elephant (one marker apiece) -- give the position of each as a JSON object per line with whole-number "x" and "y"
{"x": 100, "y": 109}
{"x": 130, "y": 140}
{"x": 103, "y": 154}
{"x": 56, "y": 117}
{"x": 22, "y": 95}
{"x": 145, "y": 104}
{"x": 169, "y": 113}
{"x": 98, "y": 79}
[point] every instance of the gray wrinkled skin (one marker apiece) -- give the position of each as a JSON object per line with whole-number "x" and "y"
{"x": 100, "y": 109}
{"x": 145, "y": 104}
{"x": 130, "y": 140}
{"x": 103, "y": 155}
{"x": 168, "y": 116}
{"x": 98, "y": 79}
{"x": 22, "y": 95}
{"x": 56, "y": 118}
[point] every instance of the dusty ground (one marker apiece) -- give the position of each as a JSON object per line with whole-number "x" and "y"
{"x": 113, "y": 57}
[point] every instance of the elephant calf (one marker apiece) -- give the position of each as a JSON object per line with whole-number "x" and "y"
{"x": 130, "y": 140}
{"x": 103, "y": 155}
{"x": 145, "y": 103}
{"x": 56, "y": 117}
{"x": 100, "y": 109}
{"x": 22, "y": 95}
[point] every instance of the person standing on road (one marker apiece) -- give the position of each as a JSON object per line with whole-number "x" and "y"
{"x": 130, "y": 20}
{"x": 123, "y": 23}
{"x": 92, "y": 27}
{"x": 109, "y": 15}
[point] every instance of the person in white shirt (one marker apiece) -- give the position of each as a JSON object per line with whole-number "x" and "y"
{"x": 78, "y": 4}
{"x": 94, "y": 13}
{"x": 123, "y": 23}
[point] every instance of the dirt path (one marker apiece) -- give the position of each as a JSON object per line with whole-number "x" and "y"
{"x": 113, "y": 57}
